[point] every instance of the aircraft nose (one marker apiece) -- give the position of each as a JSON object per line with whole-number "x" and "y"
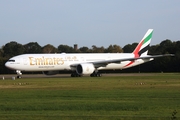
{"x": 7, "y": 64}
{"x": 11, "y": 64}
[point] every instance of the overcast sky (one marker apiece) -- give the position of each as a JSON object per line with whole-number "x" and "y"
{"x": 88, "y": 22}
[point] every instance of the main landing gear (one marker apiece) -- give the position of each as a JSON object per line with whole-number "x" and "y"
{"x": 18, "y": 73}
{"x": 96, "y": 74}
{"x": 74, "y": 74}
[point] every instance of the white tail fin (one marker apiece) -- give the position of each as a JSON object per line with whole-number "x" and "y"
{"x": 142, "y": 47}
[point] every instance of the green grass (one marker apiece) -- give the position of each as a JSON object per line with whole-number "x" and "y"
{"x": 150, "y": 96}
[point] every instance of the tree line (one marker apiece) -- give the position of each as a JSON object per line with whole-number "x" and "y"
{"x": 165, "y": 64}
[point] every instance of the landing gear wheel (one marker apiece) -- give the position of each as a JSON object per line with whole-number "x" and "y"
{"x": 99, "y": 74}
{"x": 75, "y": 75}
{"x": 19, "y": 76}
{"x": 96, "y": 74}
{"x": 18, "y": 73}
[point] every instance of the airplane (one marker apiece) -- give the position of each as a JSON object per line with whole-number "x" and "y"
{"x": 83, "y": 63}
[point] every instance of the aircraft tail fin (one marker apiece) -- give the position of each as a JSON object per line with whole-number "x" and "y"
{"x": 142, "y": 47}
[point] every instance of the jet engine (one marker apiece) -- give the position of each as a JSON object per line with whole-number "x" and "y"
{"x": 50, "y": 72}
{"x": 85, "y": 68}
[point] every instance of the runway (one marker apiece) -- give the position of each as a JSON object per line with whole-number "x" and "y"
{"x": 10, "y": 76}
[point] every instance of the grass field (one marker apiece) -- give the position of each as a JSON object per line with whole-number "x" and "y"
{"x": 134, "y": 97}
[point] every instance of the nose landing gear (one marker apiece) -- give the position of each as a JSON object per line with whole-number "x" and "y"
{"x": 18, "y": 73}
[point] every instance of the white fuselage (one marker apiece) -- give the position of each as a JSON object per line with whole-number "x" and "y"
{"x": 63, "y": 61}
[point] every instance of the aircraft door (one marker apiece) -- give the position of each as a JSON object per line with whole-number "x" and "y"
{"x": 82, "y": 59}
{"x": 25, "y": 61}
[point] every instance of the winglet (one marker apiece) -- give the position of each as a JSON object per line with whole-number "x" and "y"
{"x": 142, "y": 47}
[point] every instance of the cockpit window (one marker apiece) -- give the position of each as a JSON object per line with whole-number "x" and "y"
{"x": 11, "y": 60}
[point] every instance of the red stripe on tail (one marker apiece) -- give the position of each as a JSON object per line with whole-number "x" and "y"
{"x": 135, "y": 52}
{"x": 136, "y": 55}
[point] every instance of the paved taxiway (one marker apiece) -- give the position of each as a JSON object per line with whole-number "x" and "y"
{"x": 9, "y": 76}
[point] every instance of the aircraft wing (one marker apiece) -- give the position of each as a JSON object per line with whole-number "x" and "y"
{"x": 106, "y": 62}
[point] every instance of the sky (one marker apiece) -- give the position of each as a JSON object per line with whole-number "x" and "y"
{"x": 88, "y": 22}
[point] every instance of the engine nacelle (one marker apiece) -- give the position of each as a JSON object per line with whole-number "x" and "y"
{"x": 85, "y": 69}
{"x": 50, "y": 72}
